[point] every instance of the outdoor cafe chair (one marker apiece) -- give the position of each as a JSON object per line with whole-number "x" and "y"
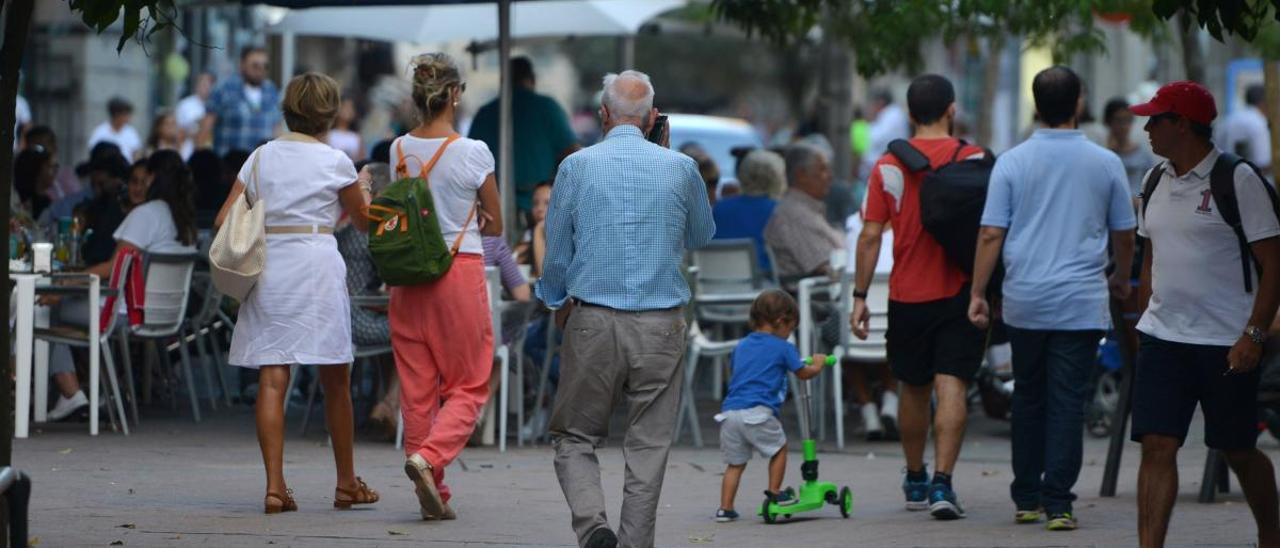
{"x": 82, "y": 338}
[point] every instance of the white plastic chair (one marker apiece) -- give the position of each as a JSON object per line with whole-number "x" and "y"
{"x": 698, "y": 346}
{"x": 88, "y": 338}
{"x": 725, "y": 280}
{"x": 164, "y": 313}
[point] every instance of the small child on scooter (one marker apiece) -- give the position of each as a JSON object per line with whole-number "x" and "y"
{"x": 757, "y": 388}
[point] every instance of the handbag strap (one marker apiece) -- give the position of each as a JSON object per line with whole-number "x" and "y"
{"x": 253, "y": 172}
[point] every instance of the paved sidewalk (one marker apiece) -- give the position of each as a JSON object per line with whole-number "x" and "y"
{"x": 175, "y": 483}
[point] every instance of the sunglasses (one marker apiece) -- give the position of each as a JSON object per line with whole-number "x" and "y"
{"x": 1165, "y": 117}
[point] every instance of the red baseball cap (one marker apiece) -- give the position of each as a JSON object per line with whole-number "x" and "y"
{"x": 1184, "y": 98}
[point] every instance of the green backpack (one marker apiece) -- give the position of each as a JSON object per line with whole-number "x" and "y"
{"x": 406, "y": 243}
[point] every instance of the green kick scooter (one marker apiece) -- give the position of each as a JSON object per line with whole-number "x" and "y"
{"x": 813, "y": 493}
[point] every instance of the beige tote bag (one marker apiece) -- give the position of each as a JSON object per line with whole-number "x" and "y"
{"x": 239, "y": 251}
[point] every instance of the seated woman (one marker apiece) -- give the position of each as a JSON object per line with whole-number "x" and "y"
{"x": 165, "y": 223}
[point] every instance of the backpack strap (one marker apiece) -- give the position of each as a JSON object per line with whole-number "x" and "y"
{"x": 1149, "y": 186}
{"x": 1222, "y": 186}
{"x": 402, "y": 166}
{"x": 960, "y": 144}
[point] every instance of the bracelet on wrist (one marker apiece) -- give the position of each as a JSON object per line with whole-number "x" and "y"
{"x": 859, "y": 294}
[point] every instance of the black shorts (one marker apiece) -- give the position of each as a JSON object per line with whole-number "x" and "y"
{"x": 935, "y": 337}
{"x": 1173, "y": 377}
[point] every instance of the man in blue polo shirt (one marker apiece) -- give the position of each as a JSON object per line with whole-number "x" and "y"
{"x": 1052, "y": 202}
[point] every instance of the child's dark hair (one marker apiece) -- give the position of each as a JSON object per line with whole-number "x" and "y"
{"x": 772, "y": 307}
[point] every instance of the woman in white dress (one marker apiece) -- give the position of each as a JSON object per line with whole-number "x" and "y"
{"x": 299, "y": 312}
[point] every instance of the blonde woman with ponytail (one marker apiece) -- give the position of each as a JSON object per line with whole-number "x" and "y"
{"x": 441, "y": 331}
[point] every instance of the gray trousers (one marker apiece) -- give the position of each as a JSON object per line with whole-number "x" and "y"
{"x": 610, "y": 356}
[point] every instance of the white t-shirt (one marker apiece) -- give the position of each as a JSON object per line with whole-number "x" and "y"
{"x": 127, "y": 138}
{"x": 455, "y": 181}
{"x": 1198, "y": 292}
{"x": 189, "y": 113}
{"x": 254, "y": 95}
{"x": 1247, "y": 127}
{"x": 150, "y": 227}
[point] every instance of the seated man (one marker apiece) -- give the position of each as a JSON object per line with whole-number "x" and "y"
{"x": 798, "y": 232}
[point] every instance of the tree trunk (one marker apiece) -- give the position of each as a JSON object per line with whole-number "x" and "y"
{"x": 1271, "y": 76}
{"x": 990, "y": 84}
{"x": 1192, "y": 55}
{"x": 835, "y": 103}
{"x": 17, "y": 22}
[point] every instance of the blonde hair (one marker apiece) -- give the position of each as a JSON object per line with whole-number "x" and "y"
{"x": 435, "y": 76}
{"x": 311, "y": 103}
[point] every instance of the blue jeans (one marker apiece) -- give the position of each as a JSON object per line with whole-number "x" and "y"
{"x": 1051, "y": 379}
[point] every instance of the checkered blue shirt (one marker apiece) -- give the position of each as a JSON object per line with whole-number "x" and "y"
{"x": 240, "y": 124}
{"x": 622, "y": 214}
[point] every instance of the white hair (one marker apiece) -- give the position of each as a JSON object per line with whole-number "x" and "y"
{"x": 802, "y": 156}
{"x": 622, "y": 104}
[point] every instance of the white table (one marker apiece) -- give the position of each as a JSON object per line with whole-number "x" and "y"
{"x": 28, "y": 317}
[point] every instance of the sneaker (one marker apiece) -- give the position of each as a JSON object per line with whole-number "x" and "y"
{"x": 724, "y": 516}
{"x": 602, "y": 538}
{"x": 1063, "y": 521}
{"x": 1024, "y": 517}
{"x": 871, "y": 422}
{"x": 786, "y": 497}
{"x": 917, "y": 492}
{"x": 67, "y": 406}
{"x": 943, "y": 504}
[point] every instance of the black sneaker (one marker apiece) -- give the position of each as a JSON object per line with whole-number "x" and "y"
{"x": 602, "y": 538}
{"x": 724, "y": 516}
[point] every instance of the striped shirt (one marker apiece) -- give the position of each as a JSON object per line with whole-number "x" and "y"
{"x": 622, "y": 214}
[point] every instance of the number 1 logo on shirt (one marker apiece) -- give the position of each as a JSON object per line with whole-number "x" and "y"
{"x": 1204, "y": 202}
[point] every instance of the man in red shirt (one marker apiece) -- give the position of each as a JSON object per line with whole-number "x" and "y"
{"x": 931, "y": 344}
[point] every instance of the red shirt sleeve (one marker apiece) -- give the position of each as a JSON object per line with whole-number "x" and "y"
{"x": 876, "y": 207}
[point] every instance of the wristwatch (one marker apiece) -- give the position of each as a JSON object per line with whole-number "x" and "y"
{"x": 1256, "y": 334}
{"x": 859, "y": 294}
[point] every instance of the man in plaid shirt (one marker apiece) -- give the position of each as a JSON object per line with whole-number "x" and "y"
{"x": 243, "y": 111}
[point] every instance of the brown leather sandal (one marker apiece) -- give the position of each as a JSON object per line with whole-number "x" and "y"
{"x": 274, "y": 503}
{"x": 362, "y": 494}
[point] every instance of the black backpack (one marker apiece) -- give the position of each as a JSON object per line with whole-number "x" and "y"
{"x": 1222, "y": 186}
{"x": 952, "y": 197}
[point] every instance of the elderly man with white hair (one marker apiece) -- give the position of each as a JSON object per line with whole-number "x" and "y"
{"x": 798, "y": 232}
{"x": 622, "y": 214}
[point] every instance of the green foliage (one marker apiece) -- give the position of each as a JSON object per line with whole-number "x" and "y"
{"x": 1241, "y": 17}
{"x": 887, "y": 34}
{"x": 141, "y": 18}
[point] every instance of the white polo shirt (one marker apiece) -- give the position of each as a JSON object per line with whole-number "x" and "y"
{"x": 1198, "y": 294}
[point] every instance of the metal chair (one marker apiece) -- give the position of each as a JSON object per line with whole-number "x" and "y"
{"x": 363, "y": 354}
{"x": 93, "y": 336}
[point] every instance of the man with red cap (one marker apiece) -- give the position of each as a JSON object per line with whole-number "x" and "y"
{"x": 1211, "y": 223}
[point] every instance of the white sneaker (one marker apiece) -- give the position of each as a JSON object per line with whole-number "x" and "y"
{"x": 66, "y": 406}
{"x": 871, "y": 422}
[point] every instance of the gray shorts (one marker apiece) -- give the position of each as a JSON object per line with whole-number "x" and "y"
{"x": 743, "y": 430}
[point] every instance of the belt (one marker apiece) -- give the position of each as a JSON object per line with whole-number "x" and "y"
{"x": 580, "y": 302}
{"x": 300, "y": 229}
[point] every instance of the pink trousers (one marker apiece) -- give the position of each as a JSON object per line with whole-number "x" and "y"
{"x": 442, "y": 336}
